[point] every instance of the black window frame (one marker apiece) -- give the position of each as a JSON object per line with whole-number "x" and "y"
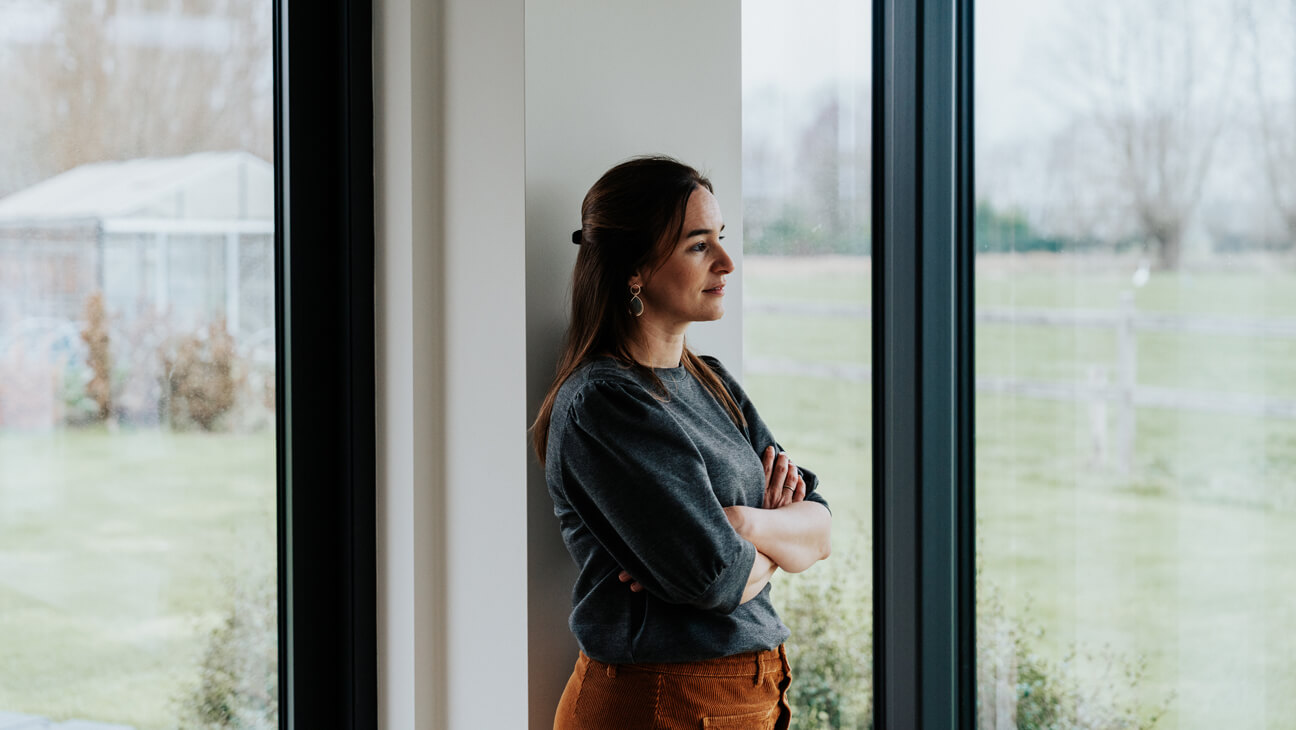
{"x": 923, "y": 381}
{"x": 324, "y": 313}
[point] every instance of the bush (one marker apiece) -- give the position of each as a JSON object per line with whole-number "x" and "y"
{"x": 1019, "y": 688}
{"x": 238, "y": 678}
{"x": 795, "y": 231}
{"x": 95, "y": 336}
{"x": 829, "y": 609}
{"x": 830, "y": 612}
{"x": 1009, "y": 230}
{"x": 200, "y": 381}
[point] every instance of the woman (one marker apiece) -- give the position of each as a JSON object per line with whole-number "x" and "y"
{"x": 672, "y": 496}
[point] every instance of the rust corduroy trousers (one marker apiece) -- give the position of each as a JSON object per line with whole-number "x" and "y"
{"x": 747, "y": 691}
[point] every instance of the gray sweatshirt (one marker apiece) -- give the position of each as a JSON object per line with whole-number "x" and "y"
{"x": 640, "y": 483}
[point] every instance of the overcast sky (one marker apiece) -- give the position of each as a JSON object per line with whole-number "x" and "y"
{"x": 816, "y": 43}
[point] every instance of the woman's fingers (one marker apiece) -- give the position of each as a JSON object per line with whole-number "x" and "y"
{"x": 799, "y": 494}
{"x": 787, "y": 494}
{"x": 783, "y": 482}
{"x": 625, "y": 577}
{"x": 778, "y": 480}
{"x": 767, "y": 462}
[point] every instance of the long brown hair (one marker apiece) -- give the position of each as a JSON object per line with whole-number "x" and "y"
{"x": 630, "y": 219}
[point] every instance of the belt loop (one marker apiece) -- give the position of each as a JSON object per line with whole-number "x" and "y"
{"x": 611, "y": 671}
{"x": 756, "y": 678}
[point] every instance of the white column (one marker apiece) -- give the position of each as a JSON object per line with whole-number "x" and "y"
{"x": 474, "y": 255}
{"x": 161, "y": 277}
{"x": 606, "y": 81}
{"x": 232, "y": 294}
{"x": 452, "y": 497}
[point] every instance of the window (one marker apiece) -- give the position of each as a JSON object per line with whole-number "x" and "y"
{"x": 137, "y": 356}
{"x": 807, "y": 336}
{"x": 1136, "y": 324}
{"x": 150, "y": 432}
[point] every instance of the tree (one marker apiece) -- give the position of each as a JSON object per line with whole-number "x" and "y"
{"x": 121, "y": 79}
{"x": 1151, "y": 82}
{"x": 1271, "y": 32}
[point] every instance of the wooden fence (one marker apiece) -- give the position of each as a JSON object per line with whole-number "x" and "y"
{"x": 1126, "y": 393}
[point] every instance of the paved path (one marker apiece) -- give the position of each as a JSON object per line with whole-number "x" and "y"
{"x": 15, "y": 721}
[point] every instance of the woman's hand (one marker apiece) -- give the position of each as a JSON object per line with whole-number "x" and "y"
{"x": 783, "y": 483}
{"x": 763, "y": 568}
{"x": 635, "y": 586}
{"x": 794, "y": 536}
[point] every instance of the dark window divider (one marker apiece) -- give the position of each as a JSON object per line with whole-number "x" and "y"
{"x": 324, "y": 309}
{"x": 924, "y": 651}
{"x": 965, "y": 361}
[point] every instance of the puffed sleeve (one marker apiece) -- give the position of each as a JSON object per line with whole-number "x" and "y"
{"x": 639, "y": 484}
{"x": 758, "y": 434}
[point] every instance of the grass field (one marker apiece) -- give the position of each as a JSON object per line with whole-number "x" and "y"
{"x": 118, "y": 555}
{"x": 118, "y": 551}
{"x": 1185, "y": 562}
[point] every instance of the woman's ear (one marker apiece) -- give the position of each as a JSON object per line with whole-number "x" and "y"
{"x": 635, "y": 280}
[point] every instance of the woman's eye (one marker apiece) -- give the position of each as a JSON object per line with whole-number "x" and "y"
{"x": 700, "y": 246}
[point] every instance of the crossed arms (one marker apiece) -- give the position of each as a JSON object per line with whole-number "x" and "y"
{"x": 788, "y": 532}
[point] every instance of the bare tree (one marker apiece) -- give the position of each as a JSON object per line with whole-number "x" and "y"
{"x": 1271, "y": 32}
{"x": 1152, "y": 80}
{"x": 120, "y": 79}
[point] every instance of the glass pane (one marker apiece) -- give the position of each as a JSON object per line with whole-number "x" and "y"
{"x": 806, "y": 322}
{"x": 137, "y": 389}
{"x": 1136, "y": 334}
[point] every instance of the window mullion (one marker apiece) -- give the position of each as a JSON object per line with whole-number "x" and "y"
{"x": 918, "y": 392}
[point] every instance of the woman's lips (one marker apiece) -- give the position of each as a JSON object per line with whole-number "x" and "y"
{"x": 718, "y": 290}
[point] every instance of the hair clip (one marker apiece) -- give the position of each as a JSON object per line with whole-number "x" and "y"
{"x": 576, "y": 237}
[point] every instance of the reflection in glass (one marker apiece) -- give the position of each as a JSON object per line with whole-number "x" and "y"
{"x": 137, "y": 401}
{"x": 805, "y": 269}
{"x": 1136, "y": 325}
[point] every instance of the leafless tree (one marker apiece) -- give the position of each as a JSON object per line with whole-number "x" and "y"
{"x": 1151, "y": 82}
{"x": 120, "y": 79}
{"x": 1271, "y": 35}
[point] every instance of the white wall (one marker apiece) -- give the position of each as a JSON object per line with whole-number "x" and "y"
{"x": 606, "y": 81}
{"x": 474, "y": 257}
{"x": 449, "y": 173}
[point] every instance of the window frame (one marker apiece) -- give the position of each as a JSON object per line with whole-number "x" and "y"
{"x": 923, "y": 385}
{"x": 324, "y": 314}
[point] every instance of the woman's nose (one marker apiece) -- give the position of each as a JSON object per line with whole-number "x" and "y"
{"x": 724, "y": 264}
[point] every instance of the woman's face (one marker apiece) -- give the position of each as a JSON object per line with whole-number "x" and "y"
{"x": 690, "y": 285}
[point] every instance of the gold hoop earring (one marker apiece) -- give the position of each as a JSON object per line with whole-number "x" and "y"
{"x": 636, "y": 304}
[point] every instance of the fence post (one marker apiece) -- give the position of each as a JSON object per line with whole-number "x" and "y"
{"x": 1127, "y": 364}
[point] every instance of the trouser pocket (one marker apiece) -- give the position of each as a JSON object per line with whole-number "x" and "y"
{"x": 761, "y": 720}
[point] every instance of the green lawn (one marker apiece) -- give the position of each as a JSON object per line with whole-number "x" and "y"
{"x": 1186, "y": 561}
{"x": 118, "y": 555}
{"x": 118, "y": 551}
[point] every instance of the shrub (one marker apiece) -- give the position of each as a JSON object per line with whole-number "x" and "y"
{"x": 795, "y": 231}
{"x": 238, "y": 677}
{"x": 1018, "y": 687}
{"x": 829, "y": 609}
{"x": 95, "y": 336}
{"x": 200, "y": 381}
